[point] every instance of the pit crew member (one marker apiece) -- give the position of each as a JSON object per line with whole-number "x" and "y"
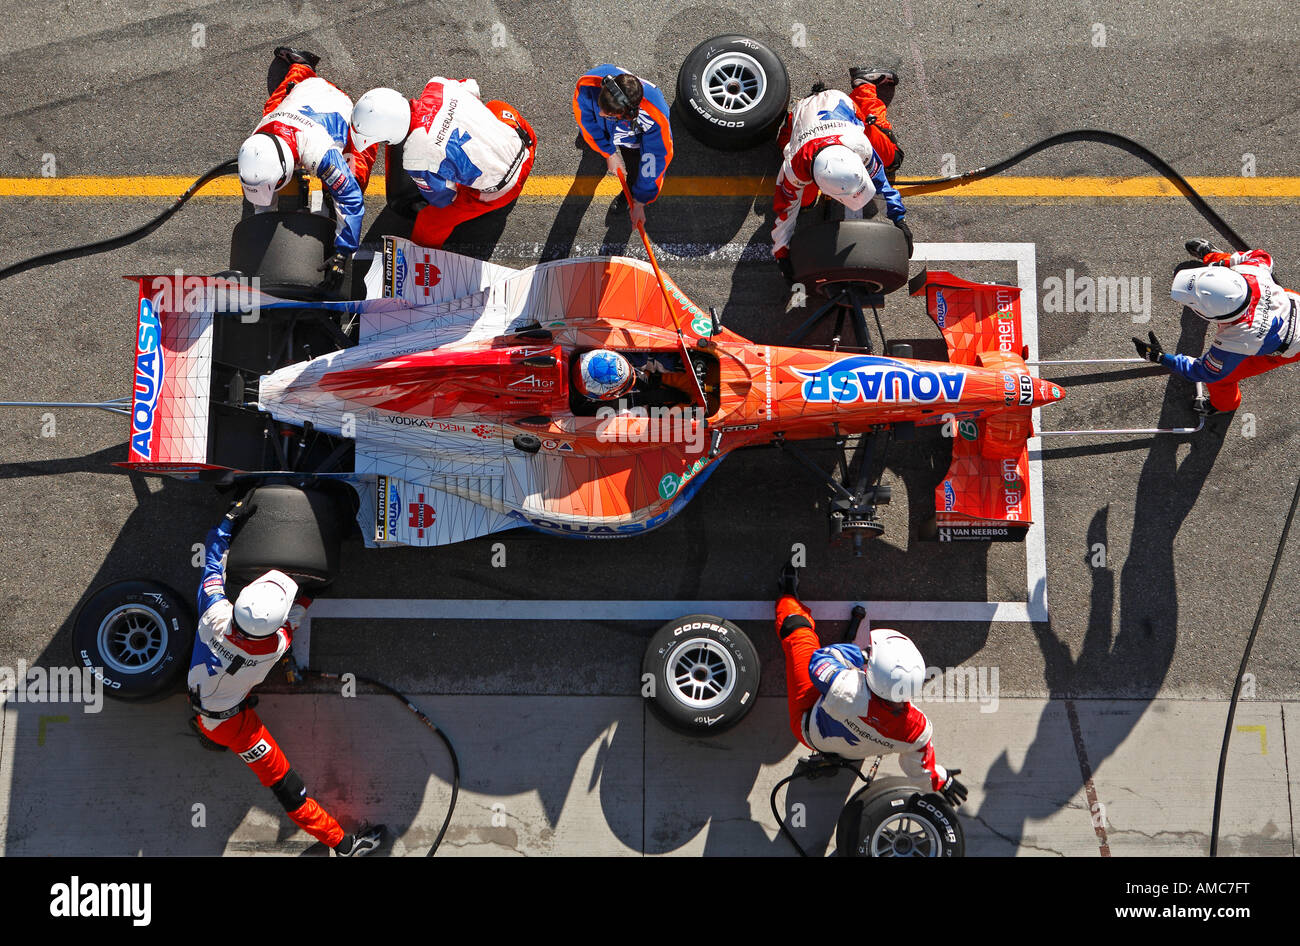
{"x": 605, "y": 375}
{"x": 872, "y": 92}
{"x": 827, "y": 149}
{"x": 235, "y": 647}
{"x": 467, "y": 157}
{"x": 1255, "y": 319}
{"x": 625, "y": 119}
{"x": 305, "y": 127}
{"x": 856, "y": 705}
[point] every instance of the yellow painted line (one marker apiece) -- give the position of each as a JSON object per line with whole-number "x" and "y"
{"x": 559, "y": 186}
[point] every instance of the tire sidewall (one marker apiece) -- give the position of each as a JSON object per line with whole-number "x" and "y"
{"x": 721, "y": 129}
{"x": 665, "y": 702}
{"x": 178, "y": 624}
{"x": 890, "y": 797}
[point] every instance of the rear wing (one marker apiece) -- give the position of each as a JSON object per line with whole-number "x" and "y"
{"x": 985, "y": 494}
{"x": 172, "y": 370}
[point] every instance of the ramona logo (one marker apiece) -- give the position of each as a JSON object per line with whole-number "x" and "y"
{"x": 149, "y": 374}
{"x": 873, "y": 379}
{"x": 75, "y": 899}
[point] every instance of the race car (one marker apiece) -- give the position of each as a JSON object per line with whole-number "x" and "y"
{"x": 441, "y": 396}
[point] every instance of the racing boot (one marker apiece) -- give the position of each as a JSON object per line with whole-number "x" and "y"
{"x": 367, "y": 840}
{"x": 299, "y": 56}
{"x": 876, "y": 76}
{"x": 788, "y": 582}
{"x": 1199, "y": 249}
{"x": 1201, "y": 402}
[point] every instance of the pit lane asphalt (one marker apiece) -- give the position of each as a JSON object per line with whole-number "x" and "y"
{"x": 1190, "y": 525}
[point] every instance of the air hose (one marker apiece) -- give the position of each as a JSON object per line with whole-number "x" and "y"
{"x": 1100, "y": 137}
{"x": 139, "y": 233}
{"x": 405, "y": 701}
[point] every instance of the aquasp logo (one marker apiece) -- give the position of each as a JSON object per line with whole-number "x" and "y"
{"x": 870, "y": 378}
{"x": 149, "y": 374}
{"x": 940, "y": 308}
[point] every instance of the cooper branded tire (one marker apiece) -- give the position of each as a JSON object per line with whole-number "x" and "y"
{"x": 891, "y": 817}
{"x": 136, "y": 636}
{"x": 296, "y": 531}
{"x": 868, "y": 253}
{"x": 732, "y": 92}
{"x": 705, "y": 674}
{"x": 285, "y": 250}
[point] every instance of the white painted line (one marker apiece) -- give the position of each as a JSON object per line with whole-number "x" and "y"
{"x": 1025, "y": 257}
{"x": 578, "y": 609}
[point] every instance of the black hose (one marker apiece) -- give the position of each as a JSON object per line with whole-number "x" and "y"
{"x": 139, "y": 233}
{"x": 1100, "y": 137}
{"x": 451, "y": 750}
{"x": 807, "y": 769}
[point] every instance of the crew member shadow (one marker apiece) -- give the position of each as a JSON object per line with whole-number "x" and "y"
{"x": 1126, "y": 659}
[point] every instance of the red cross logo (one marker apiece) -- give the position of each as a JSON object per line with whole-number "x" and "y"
{"x": 422, "y": 515}
{"x": 428, "y": 276}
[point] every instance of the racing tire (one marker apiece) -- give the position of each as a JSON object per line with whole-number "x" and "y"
{"x": 732, "y": 92}
{"x": 136, "y": 637}
{"x": 284, "y": 249}
{"x": 867, "y": 253}
{"x": 892, "y": 817}
{"x": 293, "y": 530}
{"x": 527, "y": 443}
{"x": 704, "y": 674}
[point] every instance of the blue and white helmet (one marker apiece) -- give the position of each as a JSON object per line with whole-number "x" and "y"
{"x": 604, "y": 375}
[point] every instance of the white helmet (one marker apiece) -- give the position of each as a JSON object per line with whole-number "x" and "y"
{"x": 604, "y": 375}
{"x": 840, "y": 173}
{"x": 266, "y": 163}
{"x": 263, "y": 607}
{"x": 1212, "y": 292}
{"x": 380, "y": 115}
{"x": 895, "y": 670}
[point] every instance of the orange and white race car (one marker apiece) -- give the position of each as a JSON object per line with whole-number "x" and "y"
{"x": 445, "y": 399}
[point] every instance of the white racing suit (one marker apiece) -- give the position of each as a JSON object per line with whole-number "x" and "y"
{"x": 822, "y": 119}
{"x": 313, "y": 120}
{"x": 1265, "y": 335}
{"x": 224, "y": 668}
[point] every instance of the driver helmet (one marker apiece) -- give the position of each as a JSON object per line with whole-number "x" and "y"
{"x": 266, "y": 164}
{"x": 380, "y": 115}
{"x": 839, "y": 173}
{"x": 604, "y": 375}
{"x": 262, "y": 608}
{"x": 1214, "y": 293}
{"x": 895, "y": 670}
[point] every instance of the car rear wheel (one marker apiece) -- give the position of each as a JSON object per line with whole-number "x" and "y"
{"x": 732, "y": 92}
{"x": 700, "y": 674}
{"x": 867, "y": 253}
{"x": 135, "y": 636}
{"x": 294, "y": 530}
{"x": 284, "y": 250}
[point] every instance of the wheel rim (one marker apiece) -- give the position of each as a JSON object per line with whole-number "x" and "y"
{"x": 132, "y": 639}
{"x": 734, "y": 83}
{"x": 903, "y": 834}
{"x": 701, "y": 673}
